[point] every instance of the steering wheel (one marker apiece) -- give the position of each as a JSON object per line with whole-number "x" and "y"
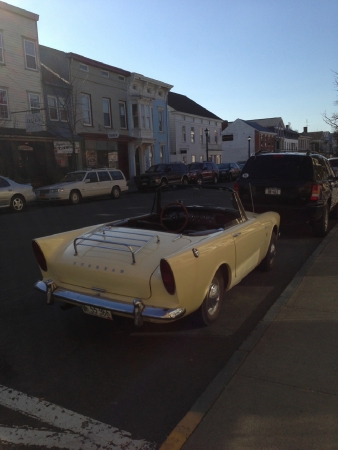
{"x": 186, "y": 217}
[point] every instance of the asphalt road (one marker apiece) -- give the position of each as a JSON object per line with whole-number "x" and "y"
{"x": 143, "y": 380}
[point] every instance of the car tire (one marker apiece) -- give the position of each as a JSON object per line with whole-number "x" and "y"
{"x": 199, "y": 181}
{"x": 74, "y": 197}
{"x": 210, "y": 309}
{"x": 115, "y": 192}
{"x": 215, "y": 179}
{"x": 17, "y": 203}
{"x": 185, "y": 181}
{"x": 164, "y": 182}
{"x": 321, "y": 226}
{"x": 269, "y": 260}
{"x": 334, "y": 212}
{"x": 230, "y": 176}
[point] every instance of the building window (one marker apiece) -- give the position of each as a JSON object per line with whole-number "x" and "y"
{"x": 34, "y": 102}
{"x": 86, "y": 109}
{"x": 63, "y": 110}
{"x": 106, "y": 112}
{"x": 4, "y": 110}
{"x": 30, "y": 54}
{"x": 184, "y": 136}
{"x": 83, "y": 67}
{"x": 160, "y": 120}
{"x": 105, "y": 73}
{"x": 193, "y": 158}
{"x": 2, "y": 59}
{"x": 145, "y": 117}
{"x": 123, "y": 117}
{"x": 121, "y": 78}
{"x": 192, "y": 134}
{"x": 134, "y": 108}
{"x": 215, "y": 136}
{"x": 53, "y": 108}
{"x": 162, "y": 153}
{"x": 201, "y": 135}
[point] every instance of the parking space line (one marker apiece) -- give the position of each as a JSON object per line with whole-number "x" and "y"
{"x": 98, "y": 433}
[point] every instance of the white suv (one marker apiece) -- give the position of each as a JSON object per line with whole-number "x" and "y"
{"x": 85, "y": 183}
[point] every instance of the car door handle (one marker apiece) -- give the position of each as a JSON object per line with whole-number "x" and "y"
{"x": 236, "y": 234}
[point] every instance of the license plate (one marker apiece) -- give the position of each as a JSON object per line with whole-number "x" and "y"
{"x": 273, "y": 191}
{"x": 98, "y": 312}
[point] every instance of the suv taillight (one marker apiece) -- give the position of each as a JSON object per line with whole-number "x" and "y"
{"x": 236, "y": 187}
{"x": 167, "y": 277}
{"x": 316, "y": 192}
{"x": 39, "y": 256}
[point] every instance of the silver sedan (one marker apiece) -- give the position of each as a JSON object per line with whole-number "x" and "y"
{"x": 14, "y": 195}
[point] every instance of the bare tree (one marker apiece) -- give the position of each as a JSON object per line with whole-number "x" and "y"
{"x": 332, "y": 120}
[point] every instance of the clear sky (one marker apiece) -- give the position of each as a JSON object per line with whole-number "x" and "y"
{"x": 246, "y": 59}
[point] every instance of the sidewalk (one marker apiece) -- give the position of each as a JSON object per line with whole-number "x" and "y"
{"x": 280, "y": 389}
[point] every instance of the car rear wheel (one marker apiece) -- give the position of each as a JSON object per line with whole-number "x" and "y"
{"x": 185, "y": 181}
{"x": 211, "y": 306}
{"x": 321, "y": 226}
{"x": 74, "y": 197}
{"x": 164, "y": 182}
{"x": 115, "y": 192}
{"x": 17, "y": 203}
{"x": 269, "y": 260}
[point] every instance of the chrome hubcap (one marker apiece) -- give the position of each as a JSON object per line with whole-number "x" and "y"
{"x": 213, "y": 297}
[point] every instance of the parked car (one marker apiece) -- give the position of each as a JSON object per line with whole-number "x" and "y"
{"x": 299, "y": 186}
{"x": 241, "y": 164}
{"x": 228, "y": 171}
{"x": 83, "y": 184}
{"x": 15, "y": 195}
{"x": 201, "y": 172}
{"x": 162, "y": 175}
{"x": 334, "y": 164}
{"x": 196, "y": 243}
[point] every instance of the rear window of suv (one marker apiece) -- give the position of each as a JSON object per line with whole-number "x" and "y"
{"x": 279, "y": 167}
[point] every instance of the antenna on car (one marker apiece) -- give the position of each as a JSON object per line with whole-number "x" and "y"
{"x": 252, "y": 203}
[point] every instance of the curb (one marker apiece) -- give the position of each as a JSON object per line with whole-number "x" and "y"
{"x": 185, "y": 428}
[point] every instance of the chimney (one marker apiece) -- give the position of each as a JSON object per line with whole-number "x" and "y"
{"x": 225, "y": 124}
{"x": 305, "y": 130}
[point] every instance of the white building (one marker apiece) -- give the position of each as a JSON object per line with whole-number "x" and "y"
{"x": 189, "y": 125}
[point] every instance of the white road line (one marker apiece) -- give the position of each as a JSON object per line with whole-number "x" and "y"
{"x": 97, "y": 432}
{"x": 45, "y": 439}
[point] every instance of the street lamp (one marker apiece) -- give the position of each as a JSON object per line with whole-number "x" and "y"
{"x": 207, "y": 138}
{"x": 249, "y": 139}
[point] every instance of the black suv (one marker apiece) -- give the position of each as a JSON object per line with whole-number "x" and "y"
{"x": 299, "y": 186}
{"x": 202, "y": 172}
{"x": 162, "y": 175}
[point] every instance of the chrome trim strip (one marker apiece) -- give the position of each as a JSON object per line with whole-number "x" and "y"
{"x": 75, "y": 298}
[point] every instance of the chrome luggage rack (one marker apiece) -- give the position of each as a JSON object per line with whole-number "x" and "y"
{"x": 106, "y": 235}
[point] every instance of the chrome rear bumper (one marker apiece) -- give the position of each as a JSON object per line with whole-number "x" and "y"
{"x": 136, "y": 310}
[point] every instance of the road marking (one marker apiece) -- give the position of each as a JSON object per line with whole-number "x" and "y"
{"x": 91, "y": 431}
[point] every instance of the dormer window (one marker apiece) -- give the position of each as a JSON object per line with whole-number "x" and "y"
{"x": 84, "y": 67}
{"x": 105, "y": 73}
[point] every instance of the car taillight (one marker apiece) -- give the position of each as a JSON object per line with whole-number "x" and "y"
{"x": 167, "y": 277}
{"x": 316, "y": 192}
{"x": 236, "y": 187}
{"x": 39, "y": 256}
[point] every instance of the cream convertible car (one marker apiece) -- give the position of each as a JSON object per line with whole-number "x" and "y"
{"x": 196, "y": 244}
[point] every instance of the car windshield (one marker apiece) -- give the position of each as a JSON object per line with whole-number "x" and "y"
{"x": 214, "y": 197}
{"x": 224, "y": 166}
{"x": 73, "y": 176}
{"x": 278, "y": 167}
{"x": 157, "y": 168}
{"x": 194, "y": 166}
